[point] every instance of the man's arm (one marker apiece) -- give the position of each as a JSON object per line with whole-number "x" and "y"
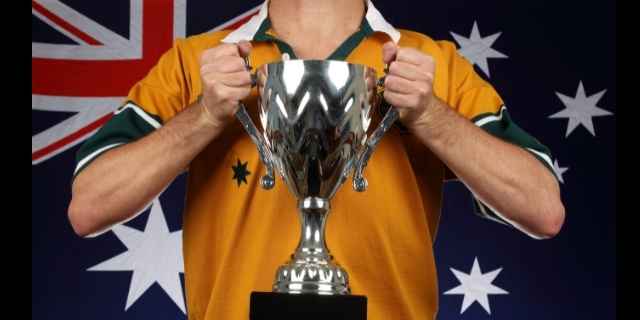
{"x": 121, "y": 181}
{"x": 503, "y": 176}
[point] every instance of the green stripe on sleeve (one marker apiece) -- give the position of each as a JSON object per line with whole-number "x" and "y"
{"x": 128, "y": 124}
{"x": 502, "y": 126}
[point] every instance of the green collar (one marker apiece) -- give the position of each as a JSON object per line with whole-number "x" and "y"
{"x": 341, "y": 53}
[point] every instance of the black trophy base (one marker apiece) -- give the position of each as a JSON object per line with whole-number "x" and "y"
{"x": 273, "y": 305}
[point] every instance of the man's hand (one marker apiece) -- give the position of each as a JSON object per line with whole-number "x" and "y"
{"x": 409, "y": 82}
{"x": 119, "y": 195}
{"x": 225, "y": 81}
{"x": 501, "y": 175}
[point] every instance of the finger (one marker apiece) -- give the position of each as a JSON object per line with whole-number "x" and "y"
{"x": 225, "y": 49}
{"x": 229, "y": 64}
{"x": 408, "y": 71}
{"x": 239, "y": 93}
{"x": 414, "y": 56}
{"x": 399, "y": 85}
{"x": 399, "y": 100}
{"x": 236, "y": 79}
{"x": 389, "y": 51}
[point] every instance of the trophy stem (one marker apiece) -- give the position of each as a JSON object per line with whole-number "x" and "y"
{"x": 313, "y": 214}
{"x": 311, "y": 269}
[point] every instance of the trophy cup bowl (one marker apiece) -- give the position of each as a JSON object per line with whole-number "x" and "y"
{"x": 315, "y": 116}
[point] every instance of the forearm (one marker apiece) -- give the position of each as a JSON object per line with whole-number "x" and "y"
{"x": 120, "y": 182}
{"x": 504, "y": 176}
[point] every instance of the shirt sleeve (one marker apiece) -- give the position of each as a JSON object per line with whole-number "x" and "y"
{"x": 476, "y": 100}
{"x": 150, "y": 103}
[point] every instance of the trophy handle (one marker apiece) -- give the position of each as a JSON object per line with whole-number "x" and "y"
{"x": 267, "y": 181}
{"x": 359, "y": 182}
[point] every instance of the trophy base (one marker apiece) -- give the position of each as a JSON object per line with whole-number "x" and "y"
{"x": 274, "y": 305}
{"x": 303, "y": 277}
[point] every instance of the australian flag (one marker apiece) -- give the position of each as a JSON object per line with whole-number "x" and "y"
{"x": 553, "y": 62}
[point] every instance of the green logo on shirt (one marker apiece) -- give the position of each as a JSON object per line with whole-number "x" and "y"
{"x": 240, "y": 172}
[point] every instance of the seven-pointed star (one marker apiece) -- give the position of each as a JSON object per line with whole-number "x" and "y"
{"x": 240, "y": 172}
{"x": 477, "y": 49}
{"x": 476, "y": 286}
{"x": 154, "y": 255}
{"x": 581, "y": 110}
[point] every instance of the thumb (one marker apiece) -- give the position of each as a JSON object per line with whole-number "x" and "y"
{"x": 389, "y": 51}
{"x": 244, "y": 48}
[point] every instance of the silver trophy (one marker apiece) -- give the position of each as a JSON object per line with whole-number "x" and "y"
{"x": 315, "y": 116}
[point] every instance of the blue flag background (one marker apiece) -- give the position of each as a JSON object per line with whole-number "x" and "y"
{"x": 553, "y": 62}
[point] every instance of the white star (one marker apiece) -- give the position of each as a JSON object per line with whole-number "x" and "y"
{"x": 154, "y": 255}
{"x": 476, "y": 286}
{"x": 559, "y": 170}
{"x": 581, "y": 110}
{"x": 477, "y": 49}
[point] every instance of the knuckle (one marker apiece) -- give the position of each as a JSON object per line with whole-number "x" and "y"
{"x": 390, "y": 81}
{"x": 429, "y": 77}
{"x": 416, "y": 100}
{"x": 394, "y": 67}
{"x": 210, "y": 82}
{"x": 206, "y": 70}
{"x": 423, "y": 91}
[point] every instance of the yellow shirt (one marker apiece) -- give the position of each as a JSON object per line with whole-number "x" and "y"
{"x": 235, "y": 234}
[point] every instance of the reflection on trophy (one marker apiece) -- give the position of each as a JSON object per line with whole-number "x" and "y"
{"x": 315, "y": 116}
